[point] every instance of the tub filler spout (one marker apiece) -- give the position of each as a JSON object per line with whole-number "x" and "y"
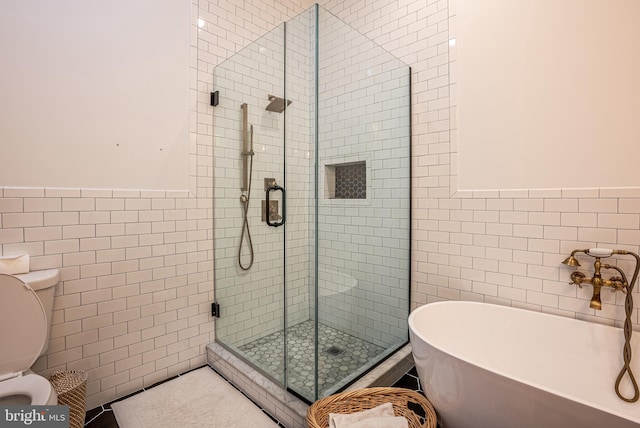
{"x": 617, "y": 283}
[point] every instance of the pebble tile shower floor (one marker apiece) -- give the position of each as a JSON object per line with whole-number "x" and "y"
{"x": 339, "y": 355}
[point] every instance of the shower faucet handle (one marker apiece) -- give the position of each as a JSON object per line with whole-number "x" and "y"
{"x": 617, "y": 283}
{"x": 274, "y": 217}
{"x": 280, "y": 218}
{"x": 577, "y": 278}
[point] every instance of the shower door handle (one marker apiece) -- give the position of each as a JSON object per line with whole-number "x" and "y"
{"x": 282, "y": 219}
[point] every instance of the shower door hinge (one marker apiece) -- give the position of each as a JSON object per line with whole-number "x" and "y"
{"x": 215, "y": 309}
{"x": 215, "y": 98}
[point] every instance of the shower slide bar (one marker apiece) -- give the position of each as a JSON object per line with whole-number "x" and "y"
{"x": 247, "y": 146}
{"x": 245, "y": 197}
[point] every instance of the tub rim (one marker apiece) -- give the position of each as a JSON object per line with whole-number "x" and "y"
{"x": 413, "y": 331}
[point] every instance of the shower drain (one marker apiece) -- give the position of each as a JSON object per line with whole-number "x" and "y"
{"x": 334, "y": 350}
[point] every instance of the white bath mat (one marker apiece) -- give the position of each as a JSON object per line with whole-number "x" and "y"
{"x": 200, "y": 398}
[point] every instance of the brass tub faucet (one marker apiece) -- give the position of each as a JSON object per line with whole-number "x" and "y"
{"x": 617, "y": 283}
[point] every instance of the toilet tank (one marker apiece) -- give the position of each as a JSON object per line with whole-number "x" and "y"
{"x": 43, "y": 282}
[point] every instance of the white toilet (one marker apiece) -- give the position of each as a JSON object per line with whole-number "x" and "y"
{"x": 26, "y": 307}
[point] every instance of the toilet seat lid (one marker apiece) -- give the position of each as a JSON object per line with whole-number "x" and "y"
{"x": 23, "y": 326}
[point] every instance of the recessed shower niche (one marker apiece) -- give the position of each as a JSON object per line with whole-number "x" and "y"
{"x": 329, "y": 273}
{"x": 345, "y": 180}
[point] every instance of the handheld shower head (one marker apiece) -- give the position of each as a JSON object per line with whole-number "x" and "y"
{"x": 600, "y": 252}
{"x": 593, "y": 252}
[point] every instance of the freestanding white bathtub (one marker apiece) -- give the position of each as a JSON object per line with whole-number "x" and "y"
{"x": 490, "y": 366}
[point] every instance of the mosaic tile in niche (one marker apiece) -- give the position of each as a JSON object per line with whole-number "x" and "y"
{"x": 351, "y": 181}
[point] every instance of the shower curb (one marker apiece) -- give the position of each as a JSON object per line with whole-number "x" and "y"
{"x": 286, "y": 407}
{"x": 387, "y": 372}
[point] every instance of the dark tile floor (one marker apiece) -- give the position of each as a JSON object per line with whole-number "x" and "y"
{"x": 102, "y": 417}
{"x": 410, "y": 380}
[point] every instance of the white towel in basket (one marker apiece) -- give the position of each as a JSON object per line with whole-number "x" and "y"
{"x": 381, "y": 416}
{"x": 383, "y": 422}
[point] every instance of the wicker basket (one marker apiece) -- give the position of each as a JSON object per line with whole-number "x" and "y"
{"x": 71, "y": 387}
{"x": 368, "y": 398}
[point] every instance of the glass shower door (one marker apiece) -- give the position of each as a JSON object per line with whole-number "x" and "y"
{"x": 300, "y": 169}
{"x": 363, "y": 203}
{"x": 248, "y": 169}
{"x": 312, "y": 203}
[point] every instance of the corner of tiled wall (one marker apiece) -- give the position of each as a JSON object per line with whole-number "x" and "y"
{"x": 500, "y": 246}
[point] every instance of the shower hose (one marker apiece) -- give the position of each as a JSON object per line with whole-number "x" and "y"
{"x": 628, "y": 329}
{"x": 244, "y": 200}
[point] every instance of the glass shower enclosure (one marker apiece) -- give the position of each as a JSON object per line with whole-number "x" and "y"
{"x": 312, "y": 203}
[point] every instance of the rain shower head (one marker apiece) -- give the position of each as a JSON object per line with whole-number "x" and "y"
{"x": 277, "y": 104}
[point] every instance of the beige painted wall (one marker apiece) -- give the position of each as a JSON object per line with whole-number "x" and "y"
{"x": 95, "y": 94}
{"x": 547, "y": 93}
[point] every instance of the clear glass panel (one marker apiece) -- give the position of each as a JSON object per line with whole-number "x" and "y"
{"x": 300, "y": 228}
{"x": 327, "y": 295}
{"x": 363, "y": 254}
{"x": 252, "y": 300}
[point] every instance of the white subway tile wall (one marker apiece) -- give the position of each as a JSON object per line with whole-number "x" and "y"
{"x": 454, "y": 235}
{"x": 136, "y": 275}
{"x": 300, "y": 155}
{"x": 363, "y": 116}
{"x": 250, "y": 300}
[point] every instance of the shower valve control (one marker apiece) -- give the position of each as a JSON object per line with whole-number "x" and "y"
{"x": 272, "y": 212}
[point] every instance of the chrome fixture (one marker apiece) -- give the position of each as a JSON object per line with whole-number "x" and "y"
{"x": 247, "y": 172}
{"x": 617, "y": 283}
{"x": 247, "y": 149}
{"x": 277, "y": 104}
